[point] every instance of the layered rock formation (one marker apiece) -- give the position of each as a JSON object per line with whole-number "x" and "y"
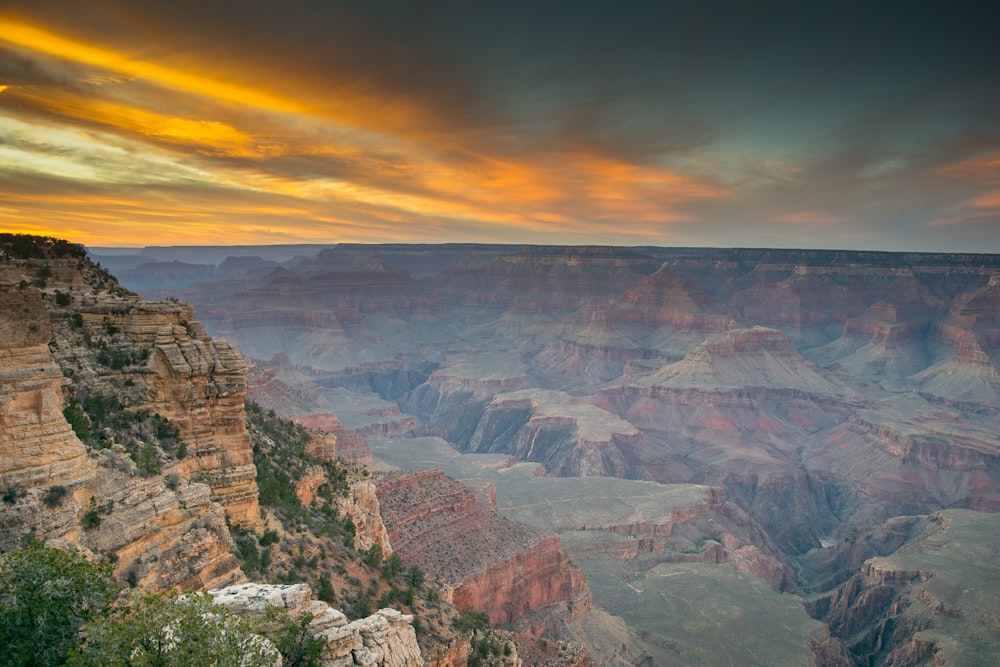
{"x": 200, "y": 385}
{"x": 922, "y": 591}
{"x": 822, "y": 390}
{"x": 643, "y": 524}
{"x": 544, "y": 278}
{"x": 99, "y": 500}
{"x": 548, "y": 427}
{"x": 490, "y": 564}
{"x": 37, "y": 445}
{"x": 362, "y": 506}
{"x": 384, "y": 639}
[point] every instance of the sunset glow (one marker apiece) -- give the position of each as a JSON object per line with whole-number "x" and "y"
{"x": 355, "y": 126}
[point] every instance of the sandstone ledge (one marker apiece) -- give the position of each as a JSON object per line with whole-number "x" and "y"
{"x": 384, "y": 639}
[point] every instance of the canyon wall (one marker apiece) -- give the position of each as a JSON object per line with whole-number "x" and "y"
{"x": 73, "y": 333}
{"x": 488, "y": 563}
{"x": 914, "y": 590}
{"x": 823, "y": 391}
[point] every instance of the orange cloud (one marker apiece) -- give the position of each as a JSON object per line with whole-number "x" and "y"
{"x": 212, "y": 137}
{"x": 40, "y": 40}
{"x": 340, "y": 99}
{"x": 989, "y": 200}
{"x": 321, "y": 165}
{"x": 983, "y": 167}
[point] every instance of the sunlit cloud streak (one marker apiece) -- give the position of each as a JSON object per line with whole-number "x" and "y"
{"x": 384, "y": 122}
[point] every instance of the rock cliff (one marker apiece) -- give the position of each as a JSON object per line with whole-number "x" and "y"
{"x": 384, "y": 639}
{"x": 488, "y": 563}
{"x": 921, "y": 592}
{"x": 543, "y": 278}
{"x": 548, "y": 427}
{"x": 71, "y": 333}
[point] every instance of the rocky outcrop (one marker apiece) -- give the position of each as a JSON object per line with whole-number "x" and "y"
{"x": 200, "y": 385}
{"x": 161, "y": 532}
{"x": 490, "y": 564}
{"x": 384, "y": 639}
{"x": 921, "y": 597}
{"x": 549, "y": 427}
{"x": 527, "y": 588}
{"x": 162, "y": 539}
{"x": 362, "y": 506}
{"x": 37, "y": 445}
{"x": 349, "y": 445}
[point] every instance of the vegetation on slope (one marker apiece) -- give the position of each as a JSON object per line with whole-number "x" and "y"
{"x": 46, "y": 595}
{"x": 29, "y": 246}
{"x": 57, "y": 608}
{"x": 315, "y": 543}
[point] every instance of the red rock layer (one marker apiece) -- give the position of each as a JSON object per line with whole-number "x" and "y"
{"x": 491, "y": 564}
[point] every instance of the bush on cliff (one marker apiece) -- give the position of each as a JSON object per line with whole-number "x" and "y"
{"x": 46, "y": 595}
{"x": 56, "y": 608}
{"x": 29, "y": 246}
{"x": 188, "y": 631}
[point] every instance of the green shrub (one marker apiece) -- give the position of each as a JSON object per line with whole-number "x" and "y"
{"x": 91, "y": 518}
{"x": 78, "y": 420}
{"x": 54, "y": 496}
{"x": 325, "y": 590}
{"x": 188, "y": 631}
{"x": 46, "y": 595}
{"x": 374, "y": 555}
{"x": 471, "y": 621}
{"x": 393, "y": 566}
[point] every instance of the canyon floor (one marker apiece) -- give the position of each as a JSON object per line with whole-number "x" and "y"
{"x": 728, "y": 442}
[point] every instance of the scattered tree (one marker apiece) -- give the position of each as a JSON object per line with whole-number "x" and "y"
{"x": 415, "y": 577}
{"x": 393, "y": 565}
{"x": 374, "y": 555}
{"x": 325, "y": 592}
{"x": 292, "y": 639}
{"x": 46, "y": 595}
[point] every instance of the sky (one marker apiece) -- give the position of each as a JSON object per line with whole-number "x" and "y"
{"x": 752, "y": 123}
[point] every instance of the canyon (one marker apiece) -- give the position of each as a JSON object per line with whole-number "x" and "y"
{"x": 659, "y": 452}
{"x": 799, "y": 396}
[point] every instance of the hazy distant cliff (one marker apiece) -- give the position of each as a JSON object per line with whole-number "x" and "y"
{"x": 824, "y": 392}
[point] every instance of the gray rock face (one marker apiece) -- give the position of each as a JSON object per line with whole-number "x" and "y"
{"x": 384, "y": 639}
